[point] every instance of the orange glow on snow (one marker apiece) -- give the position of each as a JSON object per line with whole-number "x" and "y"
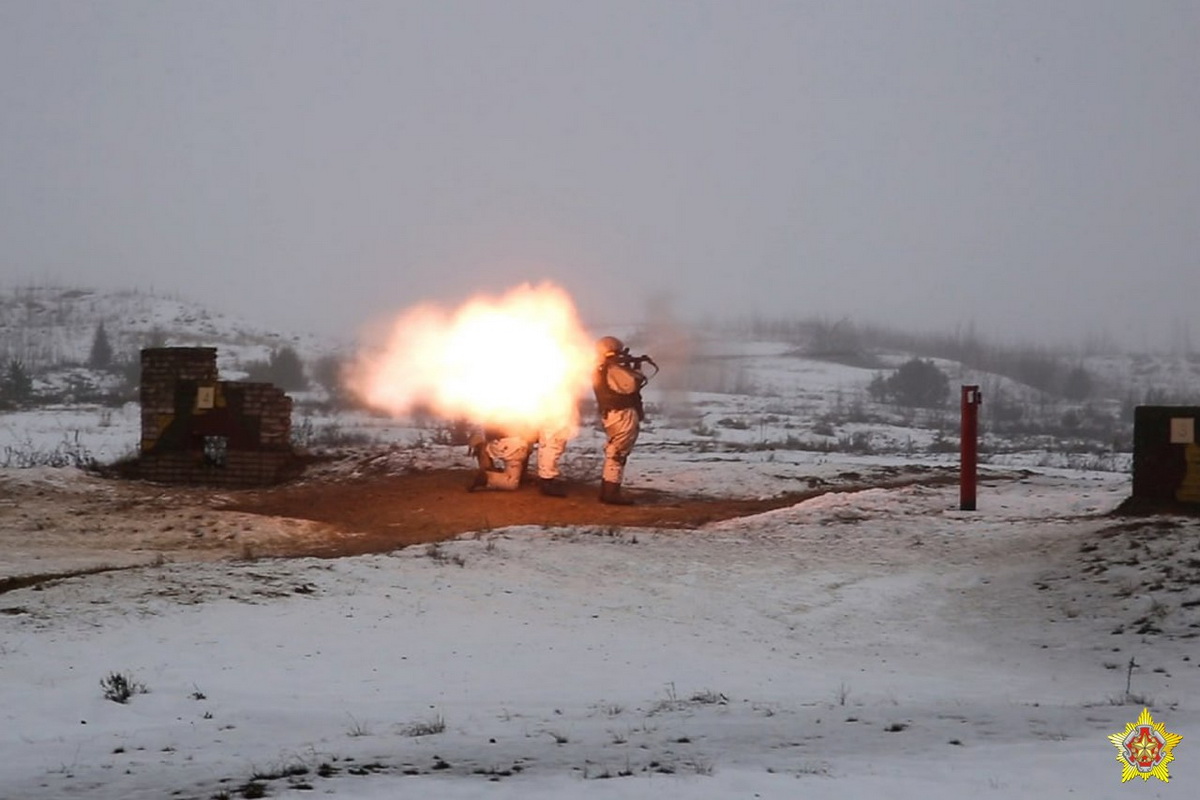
{"x": 521, "y": 359}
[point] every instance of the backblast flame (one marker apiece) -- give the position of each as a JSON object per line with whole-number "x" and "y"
{"x": 518, "y": 361}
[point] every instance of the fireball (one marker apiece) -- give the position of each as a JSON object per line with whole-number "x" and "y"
{"x": 520, "y": 360}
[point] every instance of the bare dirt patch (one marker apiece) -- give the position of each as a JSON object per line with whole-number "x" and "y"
{"x": 55, "y": 522}
{"x": 392, "y": 511}
{"x": 382, "y": 511}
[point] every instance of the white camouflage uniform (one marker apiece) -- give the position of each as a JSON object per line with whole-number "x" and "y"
{"x": 621, "y": 425}
{"x": 511, "y": 452}
{"x": 551, "y": 445}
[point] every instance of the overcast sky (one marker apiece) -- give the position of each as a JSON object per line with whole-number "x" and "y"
{"x": 1031, "y": 168}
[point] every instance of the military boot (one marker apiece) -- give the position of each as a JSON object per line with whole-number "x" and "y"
{"x": 479, "y": 482}
{"x": 610, "y": 493}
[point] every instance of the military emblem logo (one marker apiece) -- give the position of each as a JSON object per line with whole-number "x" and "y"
{"x": 1145, "y": 748}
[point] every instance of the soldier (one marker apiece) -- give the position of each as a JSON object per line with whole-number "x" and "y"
{"x": 503, "y": 457}
{"x": 617, "y": 383}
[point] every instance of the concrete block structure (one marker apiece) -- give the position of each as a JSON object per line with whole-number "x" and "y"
{"x": 199, "y": 429}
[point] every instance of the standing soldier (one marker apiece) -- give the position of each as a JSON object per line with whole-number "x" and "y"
{"x": 617, "y": 383}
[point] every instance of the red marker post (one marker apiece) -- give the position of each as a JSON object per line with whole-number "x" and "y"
{"x": 969, "y": 447}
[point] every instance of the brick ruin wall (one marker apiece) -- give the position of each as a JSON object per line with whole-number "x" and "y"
{"x": 199, "y": 429}
{"x": 1166, "y": 455}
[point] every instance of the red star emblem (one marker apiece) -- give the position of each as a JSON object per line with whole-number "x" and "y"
{"x": 1144, "y": 749}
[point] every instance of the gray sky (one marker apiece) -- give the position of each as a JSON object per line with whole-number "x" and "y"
{"x": 1032, "y": 168}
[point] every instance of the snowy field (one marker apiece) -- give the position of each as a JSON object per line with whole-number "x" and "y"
{"x": 879, "y": 643}
{"x": 875, "y": 644}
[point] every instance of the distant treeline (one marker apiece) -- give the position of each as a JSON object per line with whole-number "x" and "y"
{"x": 1054, "y": 370}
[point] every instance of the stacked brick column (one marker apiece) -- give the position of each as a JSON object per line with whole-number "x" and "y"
{"x": 252, "y": 420}
{"x": 270, "y": 405}
{"x": 162, "y": 370}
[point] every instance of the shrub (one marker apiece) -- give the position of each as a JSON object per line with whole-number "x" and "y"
{"x": 918, "y": 383}
{"x": 427, "y": 727}
{"x": 120, "y": 688}
{"x": 283, "y": 369}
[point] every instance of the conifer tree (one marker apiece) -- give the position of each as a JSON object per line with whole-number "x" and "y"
{"x": 287, "y": 371}
{"x": 102, "y": 352}
{"x": 16, "y": 384}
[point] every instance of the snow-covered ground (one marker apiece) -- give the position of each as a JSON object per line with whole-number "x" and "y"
{"x": 874, "y": 644}
{"x": 879, "y": 643}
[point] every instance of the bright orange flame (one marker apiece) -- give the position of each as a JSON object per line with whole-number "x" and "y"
{"x": 519, "y": 360}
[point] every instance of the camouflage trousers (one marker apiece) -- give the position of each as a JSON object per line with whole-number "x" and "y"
{"x": 621, "y": 426}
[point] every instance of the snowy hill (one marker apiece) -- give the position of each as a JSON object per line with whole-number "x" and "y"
{"x": 77, "y": 412}
{"x": 47, "y": 327}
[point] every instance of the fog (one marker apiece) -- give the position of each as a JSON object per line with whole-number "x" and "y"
{"x": 1028, "y": 169}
